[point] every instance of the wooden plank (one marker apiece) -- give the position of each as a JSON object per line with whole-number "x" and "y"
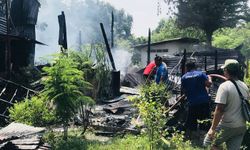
{"x": 116, "y": 99}
{"x": 30, "y": 147}
{"x": 2, "y": 100}
{"x": 115, "y": 129}
{"x": 128, "y": 90}
{"x": 19, "y": 85}
{"x": 3, "y": 116}
{"x": 3, "y": 90}
{"x": 33, "y": 141}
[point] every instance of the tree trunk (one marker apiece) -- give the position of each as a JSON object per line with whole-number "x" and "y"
{"x": 65, "y": 131}
{"x": 209, "y": 38}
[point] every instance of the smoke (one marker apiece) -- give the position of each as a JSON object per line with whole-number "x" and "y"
{"x": 122, "y": 60}
{"x": 82, "y": 16}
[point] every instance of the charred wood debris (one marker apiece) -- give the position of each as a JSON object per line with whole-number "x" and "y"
{"x": 111, "y": 116}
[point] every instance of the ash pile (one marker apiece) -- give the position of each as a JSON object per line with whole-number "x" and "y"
{"x": 114, "y": 116}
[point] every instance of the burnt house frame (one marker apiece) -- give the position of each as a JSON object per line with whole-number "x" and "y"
{"x": 17, "y": 42}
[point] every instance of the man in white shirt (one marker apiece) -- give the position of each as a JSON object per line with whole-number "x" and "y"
{"x": 228, "y": 120}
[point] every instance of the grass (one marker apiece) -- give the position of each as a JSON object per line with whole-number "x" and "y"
{"x": 77, "y": 142}
{"x": 128, "y": 142}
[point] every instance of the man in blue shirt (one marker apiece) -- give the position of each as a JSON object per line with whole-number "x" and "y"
{"x": 161, "y": 72}
{"x": 194, "y": 85}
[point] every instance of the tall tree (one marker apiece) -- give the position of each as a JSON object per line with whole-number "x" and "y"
{"x": 233, "y": 37}
{"x": 168, "y": 29}
{"x": 210, "y": 15}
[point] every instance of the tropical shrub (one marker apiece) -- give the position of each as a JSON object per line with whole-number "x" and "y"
{"x": 32, "y": 112}
{"x": 64, "y": 88}
{"x": 152, "y": 110}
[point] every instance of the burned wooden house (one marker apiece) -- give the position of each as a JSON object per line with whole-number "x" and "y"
{"x": 17, "y": 33}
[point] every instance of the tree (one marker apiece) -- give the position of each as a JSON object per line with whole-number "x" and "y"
{"x": 210, "y": 15}
{"x": 233, "y": 37}
{"x": 168, "y": 29}
{"x": 64, "y": 88}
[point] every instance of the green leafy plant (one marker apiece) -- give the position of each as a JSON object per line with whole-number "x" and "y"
{"x": 178, "y": 142}
{"x": 152, "y": 110}
{"x": 64, "y": 88}
{"x": 32, "y": 112}
{"x": 102, "y": 78}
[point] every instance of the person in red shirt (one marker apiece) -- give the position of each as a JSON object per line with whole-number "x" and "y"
{"x": 149, "y": 70}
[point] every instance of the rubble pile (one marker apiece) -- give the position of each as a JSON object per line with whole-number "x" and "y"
{"x": 114, "y": 116}
{"x": 17, "y": 136}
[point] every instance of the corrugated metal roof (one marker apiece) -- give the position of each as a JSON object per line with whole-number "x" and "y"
{"x": 183, "y": 40}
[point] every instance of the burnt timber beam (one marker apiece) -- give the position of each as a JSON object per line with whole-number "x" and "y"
{"x": 112, "y": 30}
{"x": 107, "y": 46}
{"x": 2, "y": 100}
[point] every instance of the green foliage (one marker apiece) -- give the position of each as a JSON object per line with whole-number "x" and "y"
{"x": 76, "y": 142}
{"x": 64, "y": 87}
{"x": 177, "y": 142}
{"x": 153, "y": 112}
{"x": 83, "y": 61}
{"x": 211, "y": 15}
{"x": 127, "y": 142}
{"x": 136, "y": 58}
{"x": 32, "y": 112}
{"x": 102, "y": 77}
{"x": 233, "y": 37}
{"x": 168, "y": 29}
{"x": 246, "y": 142}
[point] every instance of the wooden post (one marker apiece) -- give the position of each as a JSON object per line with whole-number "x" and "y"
{"x": 112, "y": 30}
{"x": 216, "y": 60}
{"x": 205, "y": 62}
{"x": 7, "y": 43}
{"x": 62, "y": 32}
{"x": 183, "y": 63}
{"x": 107, "y": 46}
{"x": 149, "y": 46}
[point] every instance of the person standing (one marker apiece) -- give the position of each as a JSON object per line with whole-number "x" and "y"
{"x": 161, "y": 71}
{"x": 194, "y": 85}
{"x": 228, "y": 120}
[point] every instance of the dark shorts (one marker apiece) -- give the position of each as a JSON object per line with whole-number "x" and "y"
{"x": 195, "y": 113}
{"x": 147, "y": 77}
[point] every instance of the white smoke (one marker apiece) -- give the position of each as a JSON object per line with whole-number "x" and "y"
{"x": 122, "y": 60}
{"x": 77, "y": 20}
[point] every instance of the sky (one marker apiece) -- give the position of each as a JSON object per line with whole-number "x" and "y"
{"x": 144, "y": 12}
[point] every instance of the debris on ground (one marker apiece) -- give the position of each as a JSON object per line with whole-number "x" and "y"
{"x": 17, "y": 136}
{"x": 114, "y": 116}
